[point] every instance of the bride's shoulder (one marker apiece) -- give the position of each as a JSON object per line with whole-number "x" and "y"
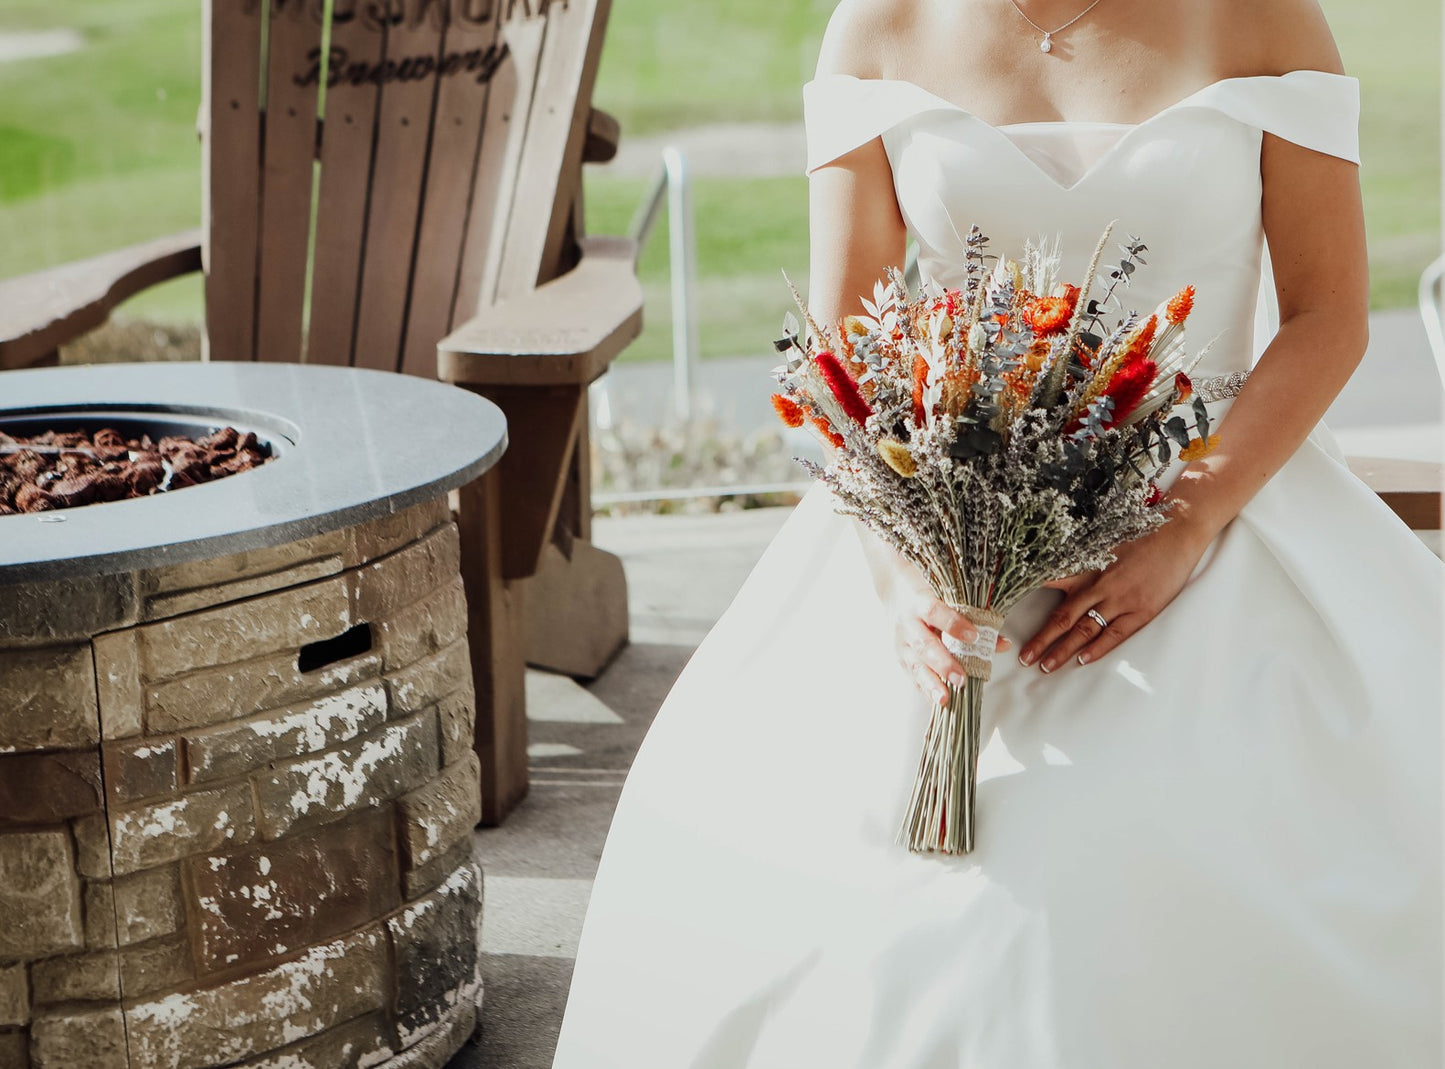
{"x": 868, "y": 38}
{"x": 1274, "y": 37}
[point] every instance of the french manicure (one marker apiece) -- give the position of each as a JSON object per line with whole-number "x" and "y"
{"x": 1047, "y": 666}
{"x": 1084, "y": 658}
{"x": 1026, "y": 657}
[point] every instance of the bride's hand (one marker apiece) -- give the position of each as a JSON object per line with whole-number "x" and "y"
{"x": 919, "y": 621}
{"x": 1146, "y": 576}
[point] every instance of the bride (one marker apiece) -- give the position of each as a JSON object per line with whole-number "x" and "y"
{"x": 1209, "y": 796}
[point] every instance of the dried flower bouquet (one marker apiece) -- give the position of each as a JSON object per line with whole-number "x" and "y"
{"x": 999, "y": 436}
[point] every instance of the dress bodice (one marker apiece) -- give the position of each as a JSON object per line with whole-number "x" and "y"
{"x": 1186, "y": 181}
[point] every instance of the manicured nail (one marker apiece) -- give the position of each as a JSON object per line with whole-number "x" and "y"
{"x": 1026, "y": 657}
{"x": 1084, "y": 658}
{"x": 958, "y": 679}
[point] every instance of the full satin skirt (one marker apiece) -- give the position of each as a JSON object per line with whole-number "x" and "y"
{"x": 1219, "y": 845}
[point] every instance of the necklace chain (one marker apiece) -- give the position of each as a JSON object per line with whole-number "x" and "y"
{"x": 1047, "y": 45}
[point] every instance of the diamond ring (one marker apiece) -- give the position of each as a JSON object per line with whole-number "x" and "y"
{"x": 1097, "y": 618}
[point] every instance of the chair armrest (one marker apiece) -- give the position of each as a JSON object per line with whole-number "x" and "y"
{"x": 603, "y": 134}
{"x": 1410, "y": 487}
{"x": 42, "y": 311}
{"x": 565, "y": 332}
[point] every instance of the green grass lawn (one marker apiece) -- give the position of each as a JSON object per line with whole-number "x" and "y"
{"x": 98, "y": 148}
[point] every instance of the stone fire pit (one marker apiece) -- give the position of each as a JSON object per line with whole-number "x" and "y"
{"x": 237, "y": 783}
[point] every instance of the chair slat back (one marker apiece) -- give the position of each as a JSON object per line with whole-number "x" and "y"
{"x": 372, "y": 182}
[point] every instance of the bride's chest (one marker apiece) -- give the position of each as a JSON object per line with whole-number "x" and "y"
{"x": 1191, "y": 174}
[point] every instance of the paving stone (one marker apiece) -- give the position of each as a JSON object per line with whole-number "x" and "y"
{"x": 148, "y": 904}
{"x": 14, "y": 996}
{"x": 118, "y": 683}
{"x": 456, "y": 719}
{"x": 420, "y": 629}
{"x": 141, "y": 768}
{"x": 362, "y": 1042}
{"x": 15, "y": 1050}
{"x": 215, "y": 695}
{"x": 39, "y": 895}
{"x": 163, "y": 606}
{"x": 384, "y": 587}
{"x": 418, "y": 882}
{"x": 225, "y": 1023}
{"x": 67, "y": 610}
{"x": 435, "y": 947}
{"x": 428, "y": 681}
{"x": 281, "y": 896}
{"x": 48, "y": 788}
{"x": 240, "y": 746}
{"x": 192, "y": 824}
{"x": 443, "y": 812}
{"x": 78, "y": 1039}
{"x": 359, "y": 775}
{"x": 239, "y": 632}
{"x": 251, "y": 563}
{"x": 386, "y": 534}
{"x": 47, "y": 698}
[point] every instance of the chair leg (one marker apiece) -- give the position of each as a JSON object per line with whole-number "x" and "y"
{"x": 495, "y": 629}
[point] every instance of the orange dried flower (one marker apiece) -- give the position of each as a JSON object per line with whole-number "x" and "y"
{"x": 1180, "y": 305}
{"x": 1142, "y": 342}
{"x": 822, "y": 426}
{"x": 788, "y": 410}
{"x": 1199, "y": 448}
{"x": 1048, "y": 315}
{"x": 920, "y": 380}
{"x": 1184, "y": 386}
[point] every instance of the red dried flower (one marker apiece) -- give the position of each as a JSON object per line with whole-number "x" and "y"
{"x": 788, "y": 410}
{"x": 843, "y": 386}
{"x": 1128, "y": 387}
{"x": 1154, "y": 496}
{"x": 1180, "y": 305}
{"x": 920, "y": 379}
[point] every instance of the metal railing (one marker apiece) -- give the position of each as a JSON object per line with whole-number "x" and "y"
{"x": 672, "y": 186}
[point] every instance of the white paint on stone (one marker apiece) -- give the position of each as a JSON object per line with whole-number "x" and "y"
{"x": 333, "y": 769}
{"x": 329, "y": 720}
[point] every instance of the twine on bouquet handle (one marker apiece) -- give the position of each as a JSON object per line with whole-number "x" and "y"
{"x": 976, "y": 657}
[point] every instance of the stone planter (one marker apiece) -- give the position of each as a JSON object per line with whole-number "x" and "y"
{"x": 237, "y": 791}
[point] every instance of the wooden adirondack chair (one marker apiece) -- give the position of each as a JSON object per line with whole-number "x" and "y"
{"x": 433, "y": 190}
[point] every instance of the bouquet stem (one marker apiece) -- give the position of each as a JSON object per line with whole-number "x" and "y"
{"x": 940, "y": 815}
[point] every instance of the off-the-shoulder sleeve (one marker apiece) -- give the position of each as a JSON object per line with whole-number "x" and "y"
{"x": 841, "y": 113}
{"x": 1315, "y": 109}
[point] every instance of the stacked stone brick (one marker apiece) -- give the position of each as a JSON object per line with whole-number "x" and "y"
{"x": 215, "y": 854}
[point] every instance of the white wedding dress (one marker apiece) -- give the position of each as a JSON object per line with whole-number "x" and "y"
{"x": 1218, "y": 846}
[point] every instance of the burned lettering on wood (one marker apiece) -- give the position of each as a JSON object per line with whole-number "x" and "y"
{"x": 382, "y": 15}
{"x": 340, "y": 70}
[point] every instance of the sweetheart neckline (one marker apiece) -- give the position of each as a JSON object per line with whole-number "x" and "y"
{"x": 1185, "y": 101}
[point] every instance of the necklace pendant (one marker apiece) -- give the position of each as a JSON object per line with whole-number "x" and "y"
{"x": 1047, "y": 44}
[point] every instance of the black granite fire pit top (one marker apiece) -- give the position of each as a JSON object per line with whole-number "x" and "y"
{"x": 351, "y": 445}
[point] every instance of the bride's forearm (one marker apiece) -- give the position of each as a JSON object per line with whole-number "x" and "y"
{"x": 1296, "y": 380}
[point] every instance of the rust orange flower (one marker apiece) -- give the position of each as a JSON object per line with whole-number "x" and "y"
{"x": 788, "y": 410}
{"x": 1048, "y": 315}
{"x": 920, "y": 380}
{"x": 1199, "y": 448}
{"x": 822, "y": 426}
{"x": 1180, "y": 305}
{"x": 1184, "y": 386}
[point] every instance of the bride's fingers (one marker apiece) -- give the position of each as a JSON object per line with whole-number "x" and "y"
{"x": 940, "y": 617}
{"x": 1117, "y": 631}
{"x": 928, "y": 649}
{"x": 928, "y": 683}
{"x": 1065, "y": 616}
{"x": 1086, "y": 630}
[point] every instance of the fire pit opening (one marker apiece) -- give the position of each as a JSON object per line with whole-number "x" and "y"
{"x": 352, "y": 642}
{"x": 62, "y": 458}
